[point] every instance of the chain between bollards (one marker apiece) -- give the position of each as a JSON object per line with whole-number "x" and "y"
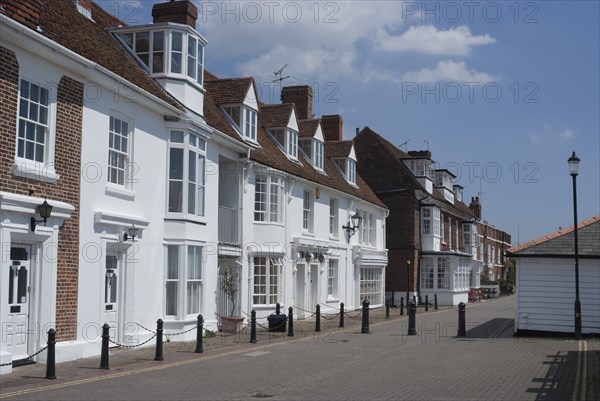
{"x": 51, "y": 355}
{"x": 365, "y": 317}
{"x": 318, "y": 318}
{"x": 341, "y": 315}
{"x": 158, "y": 356}
{"x": 104, "y": 352}
{"x": 199, "y": 335}
{"x": 253, "y": 326}
{"x": 290, "y": 322}
{"x": 401, "y": 306}
{"x": 462, "y": 332}
{"x": 412, "y": 323}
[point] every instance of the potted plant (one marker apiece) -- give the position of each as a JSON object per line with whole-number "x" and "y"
{"x": 230, "y": 280}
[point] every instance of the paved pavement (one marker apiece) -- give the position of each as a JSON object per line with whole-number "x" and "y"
{"x": 488, "y": 364}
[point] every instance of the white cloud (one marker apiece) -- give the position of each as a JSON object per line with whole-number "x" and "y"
{"x": 448, "y": 70}
{"x": 429, "y": 40}
{"x": 567, "y": 134}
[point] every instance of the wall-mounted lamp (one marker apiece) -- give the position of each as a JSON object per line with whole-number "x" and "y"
{"x": 45, "y": 209}
{"x": 110, "y": 273}
{"x": 318, "y": 193}
{"x": 321, "y": 258}
{"x": 355, "y": 221}
{"x": 130, "y": 234}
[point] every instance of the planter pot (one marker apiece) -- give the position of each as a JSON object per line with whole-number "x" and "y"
{"x": 231, "y": 324}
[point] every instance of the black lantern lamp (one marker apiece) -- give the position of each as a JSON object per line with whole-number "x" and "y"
{"x": 355, "y": 221}
{"x": 130, "y": 234}
{"x": 574, "y": 171}
{"x": 45, "y": 209}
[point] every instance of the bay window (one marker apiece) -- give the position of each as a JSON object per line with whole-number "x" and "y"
{"x": 187, "y": 159}
{"x": 183, "y": 286}
{"x": 426, "y": 221}
{"x": 427, "y": 272}
{"x": 443, "y": 270}
{"x": 268, "y": 195}
{"x": 371, "y": 285}
{"x": 267, "y": 281}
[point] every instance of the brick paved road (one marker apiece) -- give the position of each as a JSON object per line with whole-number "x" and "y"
{"x": 489, "y": 364}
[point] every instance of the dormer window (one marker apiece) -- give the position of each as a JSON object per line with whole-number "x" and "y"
{"x": 250, "y": 124}
{"x": 167, "y": 52}
{"x": 348, "y": 168}
{"x": 318, "y": 155}
{"x": 287, "y": 140}
{"x": 247, "y": 126}
{"x": 234, "y": 113}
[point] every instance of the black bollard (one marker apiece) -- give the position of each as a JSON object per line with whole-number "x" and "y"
{"x": 278, "y": 308}
{"x": 426, "y": 303}
{"x": 401, "y": 306}
{"x": 341, "y": 315}
{"x": 435, "y": 301}
{"x": 412, "y": 323}
{"x": 365, "y": 317}
{"x": 290, "y": 322}
{"x": 415, "y": 300}
{"x": 387, "y": 309}
{"x": 104, "y": 352}
{"x": 462, "y": 332}
{"x": 199, "y": 333}
{"x": 318, "y": 318}
{"x": 51, "y": 355}
{"x": 158, "y": 356}
{"x": 253, "y": 326}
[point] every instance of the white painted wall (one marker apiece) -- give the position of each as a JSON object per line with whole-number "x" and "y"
{"x": 546, "y": 294}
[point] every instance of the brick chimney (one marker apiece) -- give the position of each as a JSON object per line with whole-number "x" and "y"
{"x": 475, "y": 206}
{"x": 27, "y": 12}
{"x": 420, "y": 154}
{"x": 301, "y": 96}
{"x": 179, "y": 12}
{"x": 332, "y": 126}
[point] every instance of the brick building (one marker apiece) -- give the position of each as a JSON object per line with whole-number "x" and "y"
{"x": 433, "y": 237}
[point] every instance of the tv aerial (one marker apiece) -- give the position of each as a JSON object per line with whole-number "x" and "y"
{"x": 404, "y": 144}
{"x": 279, "y": 76}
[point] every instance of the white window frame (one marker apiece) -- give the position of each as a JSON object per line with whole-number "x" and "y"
{"x": 273, "y": 203}
{"x": 443, "y": 273}
{"x": 263, "y": 293}
{"x": 371, "y": 285}
{"x": 292, "y": 143}
{"x": 318, "y": 154}
{"x": 428, "y": 273}
{"x": 308, "y": 209}
{"x": 199, "y": 151}
{"x": 426, "y": 223}
{"x": 184, "y": 307}
{"x": 351, "y": 171}
{"x": 249, "y": 117}
{"x": 127, "y": 155}
{"x": 28, "y": 168}
{"x": 332, "y": 279}
{"x": 333, "y": 217}
{"x": 436, "y": 221}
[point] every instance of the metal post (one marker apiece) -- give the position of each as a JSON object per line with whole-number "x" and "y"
{"x": 435, "y": 301}
{"x": 415, "y": 300}
{"x": 407, "y": 283}
{"x": 577, "y": 300}
{"x": 341, "y": 315}
{"x": 51, "y": 355}
{"x": 278, "y": 308}
{"x": 462, "y": 332}
{"x": 365, "y": 317}
{"x": 318, "y": 319}
{"x": 199, "y": 334}
{"x": 401, "y": 306}
{"x": 253, "y": 326}
{"x": 104, "y": 352}
{"x": 158, "y": 356}
{"x": 290, "y": 322}
{"x": 412, "y": 320}
{"x": 426, "y": 303}
{"x": 387, "y": 308}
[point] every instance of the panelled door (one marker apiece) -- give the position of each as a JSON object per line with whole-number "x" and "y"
{"x": 112, "y": 281}
{"x": 17, "y": 319}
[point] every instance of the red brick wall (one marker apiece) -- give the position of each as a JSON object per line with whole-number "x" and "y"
{"x": 67, "y": 163}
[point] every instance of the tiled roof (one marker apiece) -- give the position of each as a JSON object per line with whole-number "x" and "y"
{"x": 390, "y": 156}
{"x": 308, "y": 128}
{"x": 269, "y": 154}
{"x": 338, "y": 149}
{"x": 561, "y": 242}
{"x": 227, "y": 91}
{"x": 61, "y": 22}
{"x": 275, "y": 115}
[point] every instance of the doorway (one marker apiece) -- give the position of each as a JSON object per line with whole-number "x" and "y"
{"x": 16, "y": 328}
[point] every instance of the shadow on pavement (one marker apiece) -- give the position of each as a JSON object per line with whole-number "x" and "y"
{"x": 495, "y": 328}
{"x": 560, "y": 379}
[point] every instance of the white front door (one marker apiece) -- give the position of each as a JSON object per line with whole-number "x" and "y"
{"x": 17, "y": 319}
{"x": 314, "y": 287}
{"x": 112, "y": 281}
{"x": 300, "y": 289}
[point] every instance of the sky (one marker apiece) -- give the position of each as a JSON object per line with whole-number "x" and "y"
{"x": 501, "y": 92}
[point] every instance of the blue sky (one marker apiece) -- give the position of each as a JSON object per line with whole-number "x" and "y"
{"x": 501, "y": 92}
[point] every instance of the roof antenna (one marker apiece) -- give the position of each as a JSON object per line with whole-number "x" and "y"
{"x": 404, "y": 144}
{"x": 427, "y": 142}
{"x": 280, "y": 77}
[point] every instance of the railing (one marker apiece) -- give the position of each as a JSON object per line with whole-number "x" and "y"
{"x": 228, "y": 225}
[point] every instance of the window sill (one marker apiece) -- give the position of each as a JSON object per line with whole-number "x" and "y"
{"x": 308, "y": 234}
{"x": 119, "y": 192}
{"x": 35, "y": 171}
{"x": 334, "y": 238}
{"x": 268, "y": 223}
{"x": 185, "y": 218}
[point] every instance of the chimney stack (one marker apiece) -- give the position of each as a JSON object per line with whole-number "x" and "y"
{"x": 420, "y": 154}
{"x": 332, "y": 127}
{"x": 26, "y": 12}
{"x": 179, "y": 12}
{"x": 301, "y": 96}
{"x": 475, "y": 206}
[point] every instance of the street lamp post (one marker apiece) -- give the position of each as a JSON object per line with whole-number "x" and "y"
{"x": 574, "y": 171}
{"x": 407, "y": 280}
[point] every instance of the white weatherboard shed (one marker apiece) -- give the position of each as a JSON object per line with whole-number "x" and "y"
{"x": 546, "y": 280}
